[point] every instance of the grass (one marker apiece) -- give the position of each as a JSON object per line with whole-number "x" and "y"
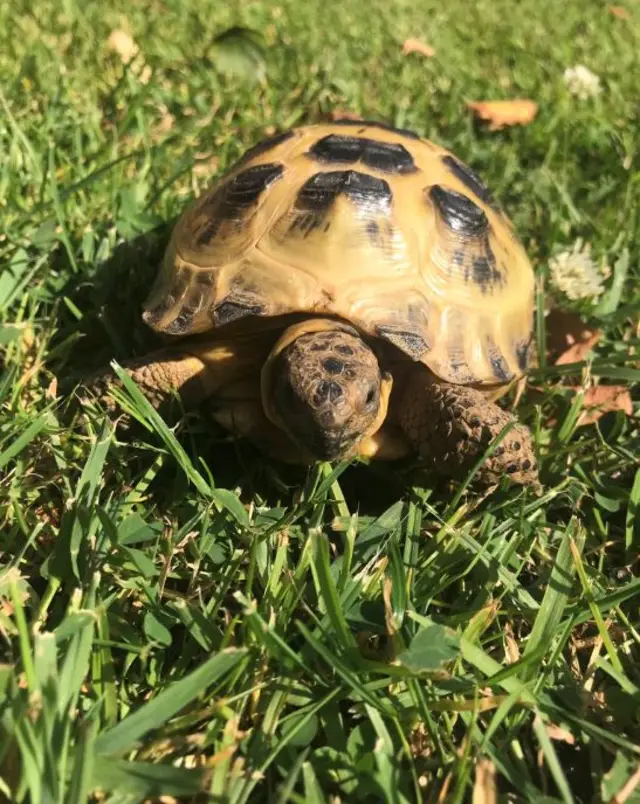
{"x": 181, "y": 618}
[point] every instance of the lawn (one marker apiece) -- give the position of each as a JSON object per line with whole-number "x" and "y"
{"x": 181, "y": 619}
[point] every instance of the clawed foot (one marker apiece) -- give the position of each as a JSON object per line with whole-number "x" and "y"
{"x": 452, "y": 427}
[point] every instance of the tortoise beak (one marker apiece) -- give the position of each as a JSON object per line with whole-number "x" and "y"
{"x": 329, "y": 446}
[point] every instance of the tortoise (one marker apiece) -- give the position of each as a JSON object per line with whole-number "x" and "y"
{"x": 349, "y": 289}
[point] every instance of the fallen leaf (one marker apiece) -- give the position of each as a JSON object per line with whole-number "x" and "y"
{"x": 516, "y": 112}
{"x": 619, "y": 12}
{"x": 344, "y": 114}
{"x": 580, "y": 349}
{"x": 569, "y": 339}
{"x": 416, "y": 46}
{"x": 122, "y": 44}
{"x": 601, "y": 399}
{"x": 559, "y": 734}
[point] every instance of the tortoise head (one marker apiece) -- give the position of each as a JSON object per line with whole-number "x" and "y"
{"x": 323, "y": 386}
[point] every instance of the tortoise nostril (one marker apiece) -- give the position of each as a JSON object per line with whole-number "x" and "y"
{"x": 327, "y": 390}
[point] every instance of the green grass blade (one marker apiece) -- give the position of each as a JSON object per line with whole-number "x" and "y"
{"x": 327, "y": 591}
{"x": 167, "y": 703}
{"x": 632, "y": 529}
{"x": 555, "y": 598}
{"x": 145, "y": 780}
{"x": 83, "y": 759}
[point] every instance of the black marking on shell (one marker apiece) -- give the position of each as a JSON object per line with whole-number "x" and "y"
{"x": 182, "y": 322}
{"x": 373, "y": 231}
{"x": 232, "y": 199}
{"x": 320, "y": 191}
{"x": 343, "y": 349}
{"x": 208, "y": 230}
{"x": 470, "y": 180}
{"x": 522, "y": 354}
{"x": 179, "y": 284}
{"x": 362, "y": 124}
{"x": 153, "y": 315}
{"x": 263, "y": 146}
{"x": 387, "y": 157}
{"x": 460, "y": 371}
{"x": 410, "y": 342}
{"x": 306, "y": 222}
{"x": 485, "y": 273}
{"x": 459, "y": 212}
{"x": 228, "y": 311}
{"x": 501, "y": 370}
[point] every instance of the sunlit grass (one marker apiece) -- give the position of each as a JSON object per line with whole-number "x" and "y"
{"x": 179, "y": 616}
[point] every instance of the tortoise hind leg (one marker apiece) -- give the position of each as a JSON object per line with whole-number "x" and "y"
{"x": 452, "y": 426}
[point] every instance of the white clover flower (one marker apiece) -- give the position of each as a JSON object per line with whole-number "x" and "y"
{"x": 581, "y": 82}
{"x": 574, "y": 273}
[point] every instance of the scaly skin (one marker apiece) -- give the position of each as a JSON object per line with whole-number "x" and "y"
{"x": 452, "y": 426}
{"x": 160, "y": 376}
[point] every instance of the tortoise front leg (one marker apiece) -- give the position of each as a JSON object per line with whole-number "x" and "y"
{"x": 161, "y": 376}
{"x": 451, "y": 427}
{"x": 224, "y": 379}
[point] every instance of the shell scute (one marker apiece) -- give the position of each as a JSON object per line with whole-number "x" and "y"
{"x": 365, "y": 222}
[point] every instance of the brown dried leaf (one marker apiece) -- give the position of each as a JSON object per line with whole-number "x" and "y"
{"x": 516, "y": 112}
{"x": 569, "y": 339}
{"x": 344, "y": 114}
{"x": 619, "y": 12}
{"x": 601, "y": 399}
{"x": 416, "y": 46}
{"x": 580, "y": 349}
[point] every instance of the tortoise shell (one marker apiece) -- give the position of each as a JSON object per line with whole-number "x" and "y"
{"x": 365, "y": 222}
